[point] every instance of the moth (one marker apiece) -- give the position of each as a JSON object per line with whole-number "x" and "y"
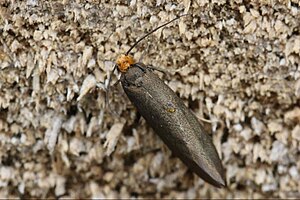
{"x": 170, "y": 118}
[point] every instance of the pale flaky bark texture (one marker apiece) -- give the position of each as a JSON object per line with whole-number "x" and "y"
{"x": 235, "y": 63}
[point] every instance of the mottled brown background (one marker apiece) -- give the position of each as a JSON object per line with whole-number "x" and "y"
{"x": 238, "y": 66}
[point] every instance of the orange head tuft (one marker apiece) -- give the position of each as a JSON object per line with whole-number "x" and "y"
{"x": 124, "y": 62}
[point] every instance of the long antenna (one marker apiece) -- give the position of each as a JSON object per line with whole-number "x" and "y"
{"x": 139, "y": 40}
{"x": 153, "y": 32}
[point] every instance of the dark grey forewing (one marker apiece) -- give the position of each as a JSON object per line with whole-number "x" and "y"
{"x": 176, "y": 125}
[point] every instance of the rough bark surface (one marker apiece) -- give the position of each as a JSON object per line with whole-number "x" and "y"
{"x": 237, "y": 65}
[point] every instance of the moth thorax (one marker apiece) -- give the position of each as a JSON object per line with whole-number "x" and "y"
{"x": 124, "y": 62}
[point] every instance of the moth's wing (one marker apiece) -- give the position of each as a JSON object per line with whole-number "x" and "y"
{"x": 176, "y": 125}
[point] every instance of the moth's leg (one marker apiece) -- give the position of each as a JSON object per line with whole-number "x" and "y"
{"x": 157, "y": 69}
{"x": 136, "y": 120}
{"x": 141, "y": 66}
{"x": 165, "y": 70}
